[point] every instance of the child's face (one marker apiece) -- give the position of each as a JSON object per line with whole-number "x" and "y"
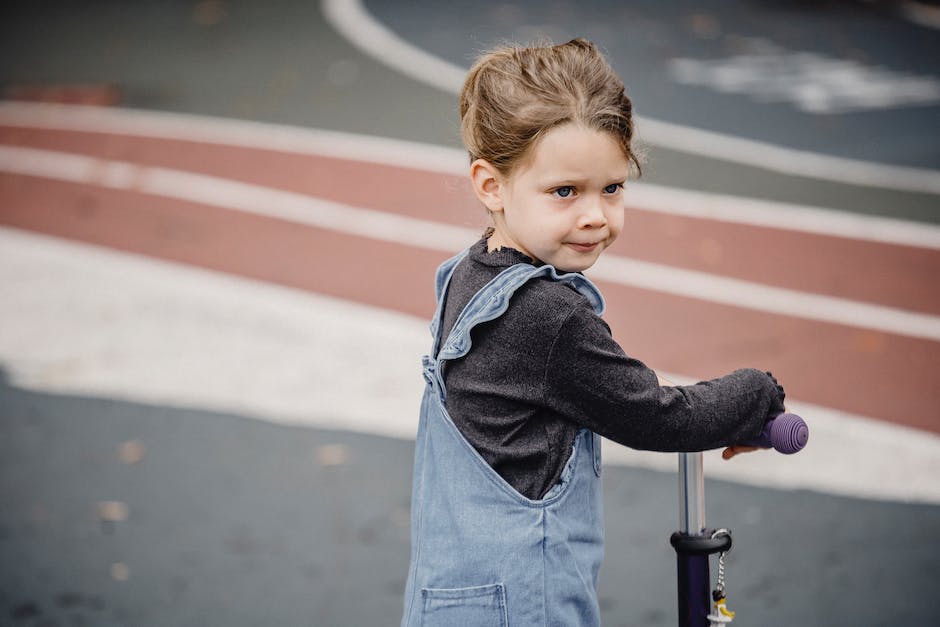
{"x": 564, "y": 204}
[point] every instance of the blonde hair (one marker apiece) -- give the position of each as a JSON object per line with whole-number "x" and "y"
{"x": 513, "y": 95}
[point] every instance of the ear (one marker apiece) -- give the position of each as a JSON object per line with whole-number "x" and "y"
{"x": 487, "y": 184}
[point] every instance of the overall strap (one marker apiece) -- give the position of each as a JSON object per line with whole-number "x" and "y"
{"x": 493, "y": 299}
{"x": 441, "y": 280}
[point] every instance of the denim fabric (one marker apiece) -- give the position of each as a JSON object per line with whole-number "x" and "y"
{"x": 482, "y": 553}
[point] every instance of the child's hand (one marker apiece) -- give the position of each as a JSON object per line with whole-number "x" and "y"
{"x": 731, "y": 451}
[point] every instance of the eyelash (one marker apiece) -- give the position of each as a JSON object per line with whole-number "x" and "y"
{"x": 617, "y": 187}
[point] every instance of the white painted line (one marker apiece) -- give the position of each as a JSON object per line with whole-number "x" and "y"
{"x": 360, "y": 27}
{"x": 351, "y": 19}
{"x": 154, "y": 331}
{"x": 180, "y": 336}
{"x": 293, "y": 207}
{"x": 239, "y": 133}
{"x": 782, "y": 216}
{"x": 835, "y": 457}
{"x": 812, "y": 82}
{"x": 920, "y": 13}
{"x": 451, "y": 161}
{"x": 764, "y": 298}
{"x": 789, "y": 161}
{"x": 409, "y": 231}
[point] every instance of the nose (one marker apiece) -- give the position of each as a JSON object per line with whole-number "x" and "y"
{"x": 592, "y": 215}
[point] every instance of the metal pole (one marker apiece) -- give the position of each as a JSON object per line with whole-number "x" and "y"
{"x": 691, "y": 494}
{"x": 692, "y": 571}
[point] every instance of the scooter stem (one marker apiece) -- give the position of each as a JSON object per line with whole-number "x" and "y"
{"x": 693, "y": 544}
{"x": 691, "y": 494}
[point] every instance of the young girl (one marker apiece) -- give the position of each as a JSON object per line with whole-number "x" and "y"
{"x": 524, "y": 376}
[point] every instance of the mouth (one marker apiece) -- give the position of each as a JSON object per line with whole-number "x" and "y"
{"x": 583, "y": 248}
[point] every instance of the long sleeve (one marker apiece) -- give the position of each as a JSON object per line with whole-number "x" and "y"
{"x": 590, "y": 379}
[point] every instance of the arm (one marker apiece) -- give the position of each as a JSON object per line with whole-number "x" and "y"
{"x": 730, "y": 451}
{"x": 592, "y": 382}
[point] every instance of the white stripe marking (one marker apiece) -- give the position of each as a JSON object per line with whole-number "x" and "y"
{"x": 186, "y": 337}
{"x": 783, "y": 216}
{"x": 764, "y": 298}
{"x": 812, "y": 82}
{"x": 912, "y": 474}
{"x": 351, "y": 19}
{"x": 360, "y": 27}
{"x": 242, "y": 133}
{"x": 408, "y": 231}
{"x": 451, "y": 161}
{"x": 920, "y": 13}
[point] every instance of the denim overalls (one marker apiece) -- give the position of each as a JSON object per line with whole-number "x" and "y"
{"x": 482, "y": 554}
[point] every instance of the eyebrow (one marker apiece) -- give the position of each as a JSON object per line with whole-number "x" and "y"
{"x": 551, "y": 182}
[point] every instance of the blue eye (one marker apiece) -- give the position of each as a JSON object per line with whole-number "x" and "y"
{"x": 564, "y": 192}
{"x": 613, "y": 188}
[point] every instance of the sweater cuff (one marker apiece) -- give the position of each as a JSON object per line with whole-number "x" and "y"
{"x": 777, "y": 405}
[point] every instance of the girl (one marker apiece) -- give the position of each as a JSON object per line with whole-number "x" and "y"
{"x": 524, "y": 376}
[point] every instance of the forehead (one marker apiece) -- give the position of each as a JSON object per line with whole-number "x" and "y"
{"x": 572, "y": 151}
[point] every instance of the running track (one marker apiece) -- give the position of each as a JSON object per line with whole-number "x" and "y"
{"x": 848, "y": 322}
{"x": 131, "y": 192}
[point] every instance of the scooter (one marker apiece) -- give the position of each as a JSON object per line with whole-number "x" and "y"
{"x": 788, "y": 434}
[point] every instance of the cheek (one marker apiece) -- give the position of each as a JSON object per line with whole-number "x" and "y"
{"x": 615, "y": 221}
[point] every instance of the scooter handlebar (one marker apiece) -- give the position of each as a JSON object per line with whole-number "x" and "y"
{"x": 787, "y": 434}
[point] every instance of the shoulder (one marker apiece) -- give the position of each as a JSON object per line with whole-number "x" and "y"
{"x": 569, "y": 317}
{"x": 557, "y": 291}
{"x": 551, "y": 300}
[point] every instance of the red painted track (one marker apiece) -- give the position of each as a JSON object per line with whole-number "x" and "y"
{"x": 898, "y": 276}
{"x": 872, "y": 373}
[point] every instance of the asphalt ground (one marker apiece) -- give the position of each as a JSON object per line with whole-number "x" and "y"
{"x": 235, "y": 521}
{"x": 282, "y": 62}
{"x": 228, "y": 519}
{"x": 785, "y": 102}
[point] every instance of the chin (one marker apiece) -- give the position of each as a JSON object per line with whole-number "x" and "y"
{"x": 575, "y": 266}
{"x": 586, "y": 264}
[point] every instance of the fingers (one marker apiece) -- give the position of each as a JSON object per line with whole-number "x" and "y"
{"x": 731, "y": 451}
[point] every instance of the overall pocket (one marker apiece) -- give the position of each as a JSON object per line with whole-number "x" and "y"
{"x": 479, "y": 606}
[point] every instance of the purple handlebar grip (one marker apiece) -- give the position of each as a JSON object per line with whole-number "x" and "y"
{"x": 787, "y": 434}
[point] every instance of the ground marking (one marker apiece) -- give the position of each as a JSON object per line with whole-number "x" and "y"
{"x": 352, "y": 20}
{"x": 182, "y": 336}
{"x": 811, "y": 82}
{"x": 920, "y": 13}
{"x": 408, "y": 231}
{"x": 451, "y": 161}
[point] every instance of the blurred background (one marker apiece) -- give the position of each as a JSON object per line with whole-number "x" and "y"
{"x": 219, "y": 223}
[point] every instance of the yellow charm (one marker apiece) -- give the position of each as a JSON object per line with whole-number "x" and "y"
{"x": 721, "y": 616}
{"x": 720, "y": 606}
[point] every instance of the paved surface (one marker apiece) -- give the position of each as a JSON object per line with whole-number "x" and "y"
{"x": 233, "y": 521}
{"x": 123, "y": 513}
{"x": 257, "y": 232}
{"x": 836, "y": 78}
{"x": 743, "y": 69}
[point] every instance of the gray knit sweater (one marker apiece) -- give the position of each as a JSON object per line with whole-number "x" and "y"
{"x": 549, "y": 366}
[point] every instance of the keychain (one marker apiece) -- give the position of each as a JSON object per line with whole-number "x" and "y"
{"x": 721, "y": 614}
